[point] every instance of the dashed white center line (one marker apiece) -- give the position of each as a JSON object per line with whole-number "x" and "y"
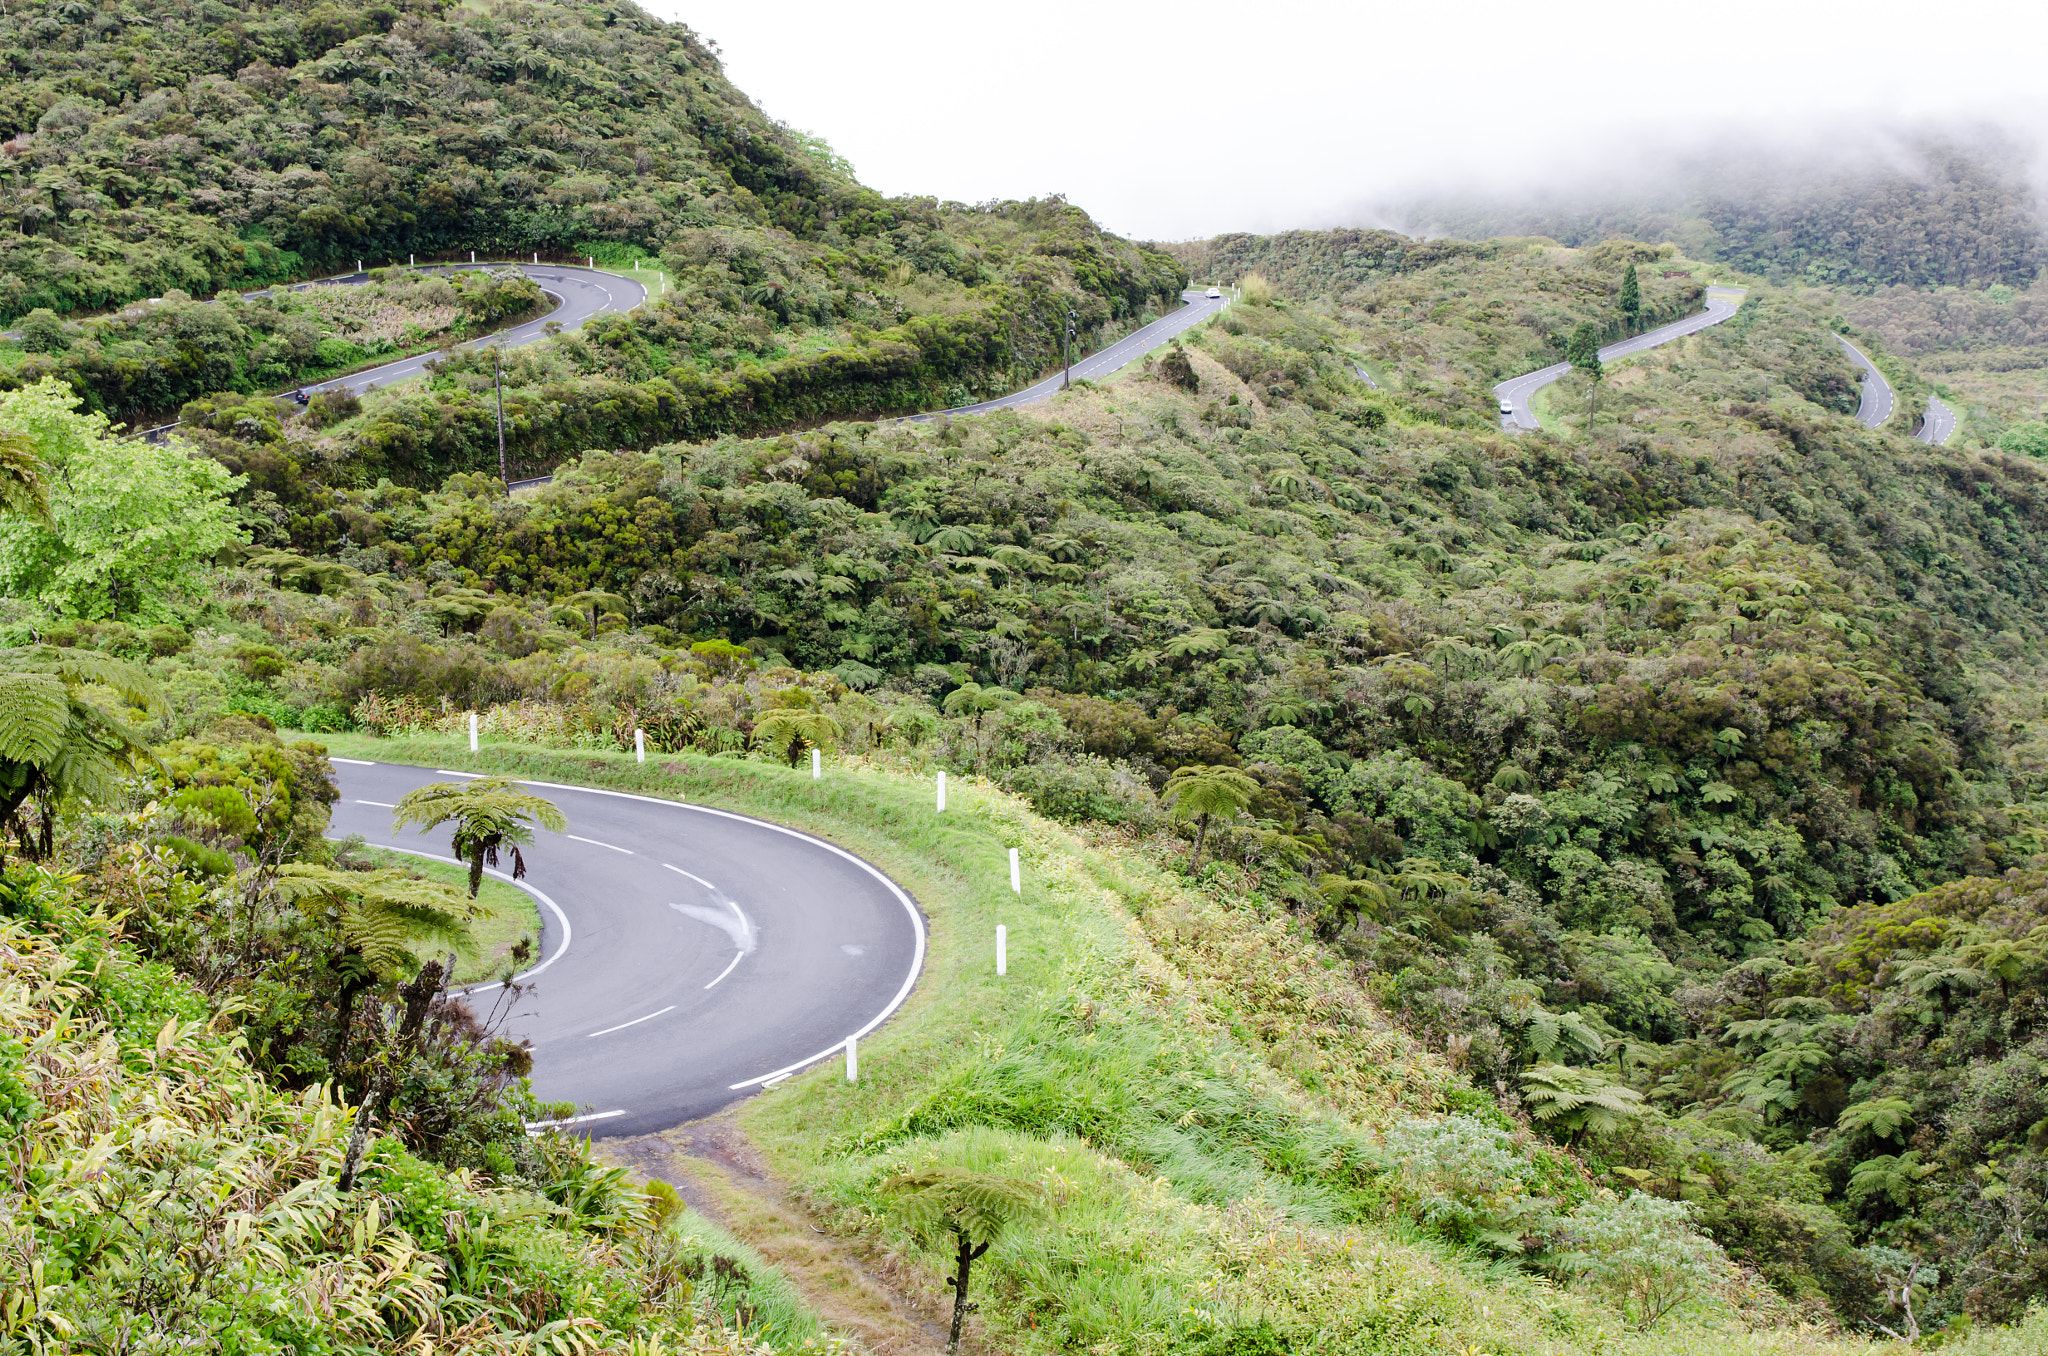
{"x": 635, "y": 1022}
{"x": 699, "y": 879}
{"x": 378, "y": 803}
{"x": 737, "y": 956}
{"x": 594, "y": 843}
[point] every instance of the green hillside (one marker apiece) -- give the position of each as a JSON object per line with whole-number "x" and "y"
{"x": 1923, "y": 207}
{"x": 173, "y": 150}
{"x": 1618, "y": 918}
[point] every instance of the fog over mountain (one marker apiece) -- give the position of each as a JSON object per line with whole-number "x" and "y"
{"x": 1170, "y": 124}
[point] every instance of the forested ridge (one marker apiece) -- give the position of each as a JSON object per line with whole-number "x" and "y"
{"x": 1587, "y": 883}
{"x": 1924, "y": 210}
{"x": 174, "y": 150}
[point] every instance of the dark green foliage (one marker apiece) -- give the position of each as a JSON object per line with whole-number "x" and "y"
{"x": 1933, "y": 211}
{"x": 1631, "y": 296}
{"x": 1582, "y": 350}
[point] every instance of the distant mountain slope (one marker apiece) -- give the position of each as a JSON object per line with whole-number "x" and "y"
{"x": 1931, "y": 212}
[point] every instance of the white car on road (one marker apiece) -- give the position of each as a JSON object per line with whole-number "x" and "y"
{"x": 1507, "y": 405}
{"x": 1214, "y": 292}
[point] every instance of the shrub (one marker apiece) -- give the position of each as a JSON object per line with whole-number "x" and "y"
{"x": 1076, "y": 787}
{"x": 1642, "y": 1253}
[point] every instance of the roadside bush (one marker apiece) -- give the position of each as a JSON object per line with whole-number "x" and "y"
{"x": 1077, "y": 787}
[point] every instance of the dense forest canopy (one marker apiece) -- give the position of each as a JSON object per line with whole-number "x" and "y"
{"x": 1933, "y": 210}
{"x": 1654, "y": 794}
{"x": 176, "y": 150}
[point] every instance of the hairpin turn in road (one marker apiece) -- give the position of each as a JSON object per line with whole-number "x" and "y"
{"x": 688, "y": 955}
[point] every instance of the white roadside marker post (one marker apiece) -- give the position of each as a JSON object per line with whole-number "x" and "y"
{"x": 1016, "y": 875}
{"x": 852, "y": 1061}
{"x": 639, "y": 746}
{"x": 536, "y": 256}
{"x": 1002, "y": 950}
{"x": 942, "y": 791}
{"x": 359, "y": 266}
{"x": 472, "y": 732}
{"x": 590, "y": 261}
{"x": 817, "y": 764}
{"x": 412, "y": 261}
{"x": 472, "y": 256}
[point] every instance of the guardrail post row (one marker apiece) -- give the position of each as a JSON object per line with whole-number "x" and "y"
{"x": 852, "y": 1060}
{"x": 1002, "y": 950}
{"x": 472, "y": 732}
{"x": 817, "y": 764}
{"x": 1016, "y": 874}
{"x": 639, "y": 746}
{"x": 942, "y": 790}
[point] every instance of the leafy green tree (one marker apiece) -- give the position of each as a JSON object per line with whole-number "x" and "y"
{"x": 130, "y": 523}
{"x": 1201, "y": 792}
{"x": 969, "y": 1209}
{"x": 1582, "y": 350}
{"x": 1631, "y": 297}
{"x": 2028, "y": 440}
{"x": 490, "y": 815}
{"x": 55, "y": 743}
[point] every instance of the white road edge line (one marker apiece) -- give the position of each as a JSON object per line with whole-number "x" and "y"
{"x": 594, "y": 843}
{"x": 378, "y": 803}
{"x": 737, "y": 957}
{"x": 699, "y": 879}
{"x": 444, "y": 772}
{"x": 635, "y": 1022}
{"x": 359, "y": 762}
{"x": 903, "y": 898}
{"x": 553, "y": 908}
{"x": 573, "y": 1120}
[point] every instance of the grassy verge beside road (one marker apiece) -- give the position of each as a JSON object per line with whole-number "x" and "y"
{"x": 1201, "y": 1095}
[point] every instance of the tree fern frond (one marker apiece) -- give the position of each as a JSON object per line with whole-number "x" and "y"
{"x": 35, "y": 713}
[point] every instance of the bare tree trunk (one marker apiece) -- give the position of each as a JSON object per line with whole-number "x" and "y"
{"x": 419, "y": 995}
{"x": 959, "y": 1283}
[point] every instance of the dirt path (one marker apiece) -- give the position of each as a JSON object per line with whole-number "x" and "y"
{"x": 857, "y": 1295}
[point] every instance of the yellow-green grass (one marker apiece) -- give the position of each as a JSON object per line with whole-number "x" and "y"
{"x": 511, "y": 915}
{"x": 1182, "y": 1071}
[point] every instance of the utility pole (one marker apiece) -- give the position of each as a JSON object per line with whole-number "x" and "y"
{"x": 1066, "y": 345}
{"x": 498, "y": 380}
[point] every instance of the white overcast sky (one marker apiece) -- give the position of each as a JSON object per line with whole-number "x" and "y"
{"x": 1175, "y": 120}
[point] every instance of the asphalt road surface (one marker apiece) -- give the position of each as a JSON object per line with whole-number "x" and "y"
{"x": 580, "y": 293}
{"x": 1878, "y": 401}
{"x": 1939, "y": 424}
{"x": 688, "y": 955}
{"x": 1722, "y": 303}
{"x": 1197, "y": 307}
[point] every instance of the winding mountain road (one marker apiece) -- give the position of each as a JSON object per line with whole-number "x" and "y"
{"x": 1939, "y": 425}
{"x": 579, "y": 293}
{"x": 1197, "y": 306}
{"x": 689, "y": 956}
{"x": 1878, "y": 398}
{"x": 1722, "y": 304}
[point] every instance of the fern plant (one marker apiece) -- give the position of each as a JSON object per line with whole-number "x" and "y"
{"x": 54, "y": 743}
{"x": 1578, "y": 1101}
{"x": 972, "y": 1209}
{"x": 490, "y": 815}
